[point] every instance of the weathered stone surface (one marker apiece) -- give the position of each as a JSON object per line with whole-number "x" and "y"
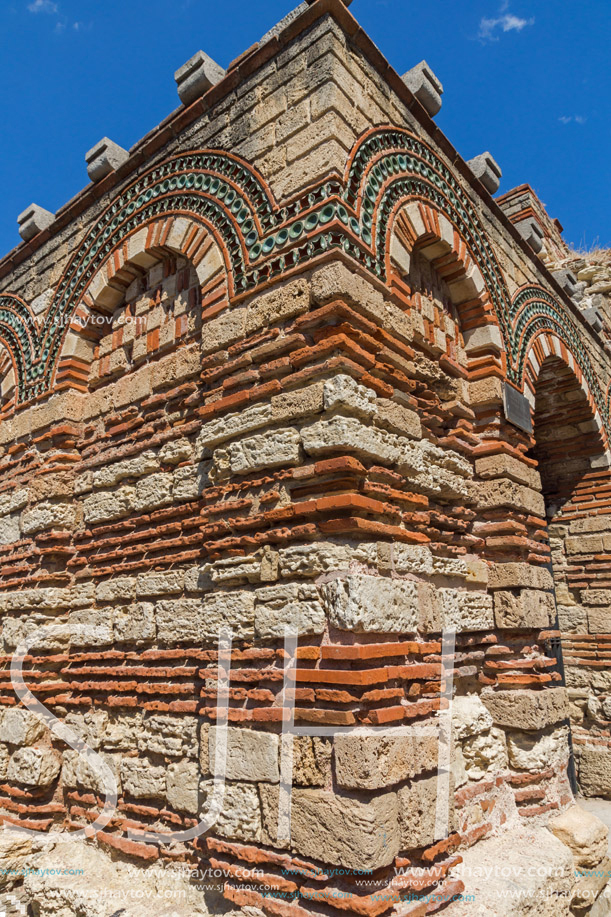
{"x": 182, "y": 786}
{"x": 292, "y": 605}
{"x": 78, "y": 771}
{"x": 142, "y": 779}
{"x": 134, "y": 623}
{"x": 583, "y": 833}
{"x": 417, "y": 811}
{"x": 532, "y": 710}
{"x": 531, "y": 752}
{"x": 313, "y": 559}
{"x": 240, "y": 816}
{"x": 519, "y": 575}
{"x": 270, "y": 450}
{"x": 311, "y": 761}
{"x": 466, "y": 610}
{"x": 371, "y": 762}
{"x": 47, "y": 516}
{"x": 594, "y": 767}
{"x": 252, "y": 755}
{"x": 353, "y": 834}
{"x": 20, "y": 727}
{"x": 522, "y": 872}
{"x": 33, "y": 766}
{"x": 485, "y": 754}
{"x": 523, "y": 608}
{"x": 364, "y": 603}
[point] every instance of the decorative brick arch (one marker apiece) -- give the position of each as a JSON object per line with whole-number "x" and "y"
{"x": 546, "y": 344}
{"x": 131, "y": 259}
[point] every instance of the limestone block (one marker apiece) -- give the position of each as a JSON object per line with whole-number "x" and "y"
{"x": 13, "y": 501}
{"x": 524, "y": 608}
{"x": 10, "y": 530}
{"x": 32, "y": 220}
{"x": 77, "y": 771}
{"x": 15, "y": 848}
{"x": 262, "y": 566}
{"x": 313, "y": 559}
{"x": 601, "y": 523}
{"x": 110, "y": 475}
{"x": 89, "y": 726}
{"x": 572, "y": 619}
{"x": 532, "y": 752}
{"x": 235, "y": 610}
{"x": 522, "y": 872}
{"x": 153, "y": 491}
{"x": 91, "y": 627}
{"x": 240, "y": 816}
{"x": 588, "y": 886}
{"x": 502, "y": 493}
{"x": 168, "y": 582}
{"x": 423, "y": 83}
{"x": 376, "y": 604}
{"x": 171, "y": 735}
{"x": 485, "y": 754}
{"x": 519, "y": 575}
{"x": 469, "y": 716}
{"x": 104, "y": 158}
{"x": 596, "y": 596}
{"x": 191, "y": 481}
{"x": 134, "y": 623}
{"x": 178, "y": 450}
{"x": 405, "y": 559}
{"x": 267, "y": 450}
{"x": 120, "y": 589}
{"x": 344, "y": 393}
{"x": 196, "y": 77}
{"x": 486, "y": 168}
{"x": 297, "y": 404}
{"x": 599, "y": 620}
{"x": 231, "y": 426}
{"x": 398, "y": 418}
{"x": 47, "y": 516}
{"x": 583, "y": 833}
{"x": 178, "y": 621}
{"x": 311, "y": 761}
{"x": 33, "y": 766}
{"x": 371, "y": 762}
{"x": 533, "y": 710}
{"x": 252, "y": 755}
{"x": 353, "y": 834}
{"x": 182, "y": 786}
{"x": 294, "y": 605}
{"x": 103, "y": 507}
{"x": 286, "y": 300}
{"x": 417, "y": 811}
{"x": 466, "y": 610}
{"x": 594, "y": 766}
{"x": 142, "y": 779}
{"x": 341, "y": 434}
{"x": 20, "y": 727}
{"x": 507, "y": 466}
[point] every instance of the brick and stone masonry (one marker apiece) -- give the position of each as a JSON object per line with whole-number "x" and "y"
{"x": 288, "y": 363}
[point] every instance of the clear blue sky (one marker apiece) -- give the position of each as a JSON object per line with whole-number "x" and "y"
{"x": 527, "y": 80}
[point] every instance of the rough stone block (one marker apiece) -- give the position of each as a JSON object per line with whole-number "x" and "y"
{"x": 32, "y": 220}
{"x": 485, "y": 754}
{"x": 294, "y": 605}
{"x": 20, "y": 727}
{"x": 371, "y": 762}
{"x": 469, "y": 716}
{"x": 531, "y": 232}
{"x": 524, "y": 608}
{"x": 519, "y": 575}
{"x": 196, "y": 77}
{"x": 530, "y": 752}
{"x": 269, "y": 450}
{"x": 466, "y": 610}
{"x": 251, "y": 755}
{"x": 373, "y": 604}
{"x": 142, "y": 779}
{"x": 104, "y": 158}
{"x": 423, "y": 83}
{"x": 134, "y": 623}
{"x": 594, "y": 770}
{"x": 486, "y": 168}
{"x": 567, "y": 281}
{"x": 91, "y": 627}
{"x": 583, "y": 833}
{"x": 417, "y": 811}
{"x": 353, "y": 834}
{"x": 532, "y": 710}
{"x": 33, "y": 766}
{"x": 182, "y": 786}
{"x": 240, "y": 816}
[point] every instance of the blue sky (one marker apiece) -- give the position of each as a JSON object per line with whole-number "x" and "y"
{"x": 528, "y": 81}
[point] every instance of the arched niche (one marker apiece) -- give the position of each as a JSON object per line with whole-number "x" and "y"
{"x": 146, "y": 299}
